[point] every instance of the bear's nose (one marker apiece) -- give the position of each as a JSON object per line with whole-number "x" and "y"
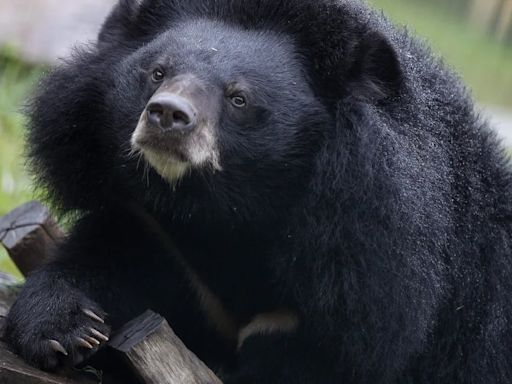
{"x": 172, "y": 113}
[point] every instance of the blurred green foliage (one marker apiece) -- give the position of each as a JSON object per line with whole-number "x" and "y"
{"x": 16, "y": 80}
{"x": 485, "y": 64}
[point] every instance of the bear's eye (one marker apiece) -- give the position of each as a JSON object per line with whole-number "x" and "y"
{"x": 158, "y": 75}
{"x": 238, "y": 101}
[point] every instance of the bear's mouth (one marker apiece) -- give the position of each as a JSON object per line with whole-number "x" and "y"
{"x": 165, "y": 156}
{"x": 166, "y": 166}
{"x": 166, "y": 149}
{"x": 172, "y": 156}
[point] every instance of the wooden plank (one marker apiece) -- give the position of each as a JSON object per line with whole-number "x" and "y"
{"x": 29, "y": 234}
{"x": 157, "y": 356}
{"x": 13, "y": 370}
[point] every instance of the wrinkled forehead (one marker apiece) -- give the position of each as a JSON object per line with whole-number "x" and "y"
{"x": 208, "y": 46}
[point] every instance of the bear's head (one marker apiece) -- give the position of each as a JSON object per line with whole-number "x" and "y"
{"x": 221, "y": 114}
{"x": 215, "y": 108}
{"x": 219, "y": 99}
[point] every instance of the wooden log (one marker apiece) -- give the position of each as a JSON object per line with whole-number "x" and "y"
{"x": 29, "y": 233}
{"x": 13, "y": 370}
{"x": 157, "y": 356}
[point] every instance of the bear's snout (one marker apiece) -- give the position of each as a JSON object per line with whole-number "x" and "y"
{"x": 171, "y": 113}
{"x": 177, "y": 128}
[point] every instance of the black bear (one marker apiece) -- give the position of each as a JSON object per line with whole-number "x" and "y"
{"x": 299, "y": 187}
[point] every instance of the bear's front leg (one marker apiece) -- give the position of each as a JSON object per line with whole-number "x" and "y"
{"x": 53, "y": 323}
{"x": 99, "y": 278}
{"x": 273, "y": 350}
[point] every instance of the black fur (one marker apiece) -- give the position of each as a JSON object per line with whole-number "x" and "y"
{"x": 365, "y": 194}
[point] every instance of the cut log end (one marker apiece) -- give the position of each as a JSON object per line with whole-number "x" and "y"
{"x": 29, "y": 233}
{"x": 157, "y": 356}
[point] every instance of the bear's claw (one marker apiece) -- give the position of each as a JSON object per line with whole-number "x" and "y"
{"x": 57, "y": 347}
{"x": 83, "y": 343}
{"x": 98, "y": 334}
{"x": 92, "y": 340}
{"x": 92, "y": 315}
{"x": 67, "y": 335}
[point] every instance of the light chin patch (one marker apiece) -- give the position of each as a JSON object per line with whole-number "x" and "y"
{"x": 200, "y": 149}
{"x": 170, "y": 169}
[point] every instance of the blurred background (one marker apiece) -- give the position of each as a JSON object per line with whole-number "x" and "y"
{"x": 473, "y": 36}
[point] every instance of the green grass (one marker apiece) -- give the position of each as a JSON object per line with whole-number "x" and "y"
{"x": 16, "y": 80}
{"x": 484, "y": 63}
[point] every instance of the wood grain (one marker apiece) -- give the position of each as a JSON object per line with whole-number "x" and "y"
{"x": 29, "y": 234}
{"x": 13, "y": 370}
{"x": 157, "y": 355}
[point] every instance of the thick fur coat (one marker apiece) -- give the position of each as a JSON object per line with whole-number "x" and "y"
{"x": 367, "y": 199}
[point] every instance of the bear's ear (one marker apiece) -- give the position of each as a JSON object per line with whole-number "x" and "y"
{"x": 375, "y": 72}
{"x": 121, "y": 19}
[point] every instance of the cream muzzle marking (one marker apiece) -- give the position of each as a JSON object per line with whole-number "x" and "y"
{"x": 200, "y": 149}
